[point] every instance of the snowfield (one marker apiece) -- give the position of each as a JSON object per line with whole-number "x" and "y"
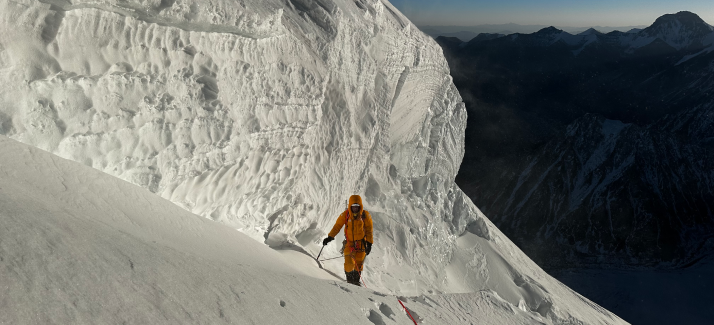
{"x": 263, "y": 116}
{"x": 78, "y": 246}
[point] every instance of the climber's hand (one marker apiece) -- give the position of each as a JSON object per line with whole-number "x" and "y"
{"x": 327, "y": 240}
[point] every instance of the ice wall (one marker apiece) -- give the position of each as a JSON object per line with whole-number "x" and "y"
{"x": 266, "y": 115}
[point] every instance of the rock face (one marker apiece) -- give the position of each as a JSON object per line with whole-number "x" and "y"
{"x": 595, "y": 146}
{"x": 616, "y": 194}
{"x": 683, "y": 31}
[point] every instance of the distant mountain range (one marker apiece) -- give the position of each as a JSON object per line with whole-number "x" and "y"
{"x": 466, "y": 33}
{"x": 596, "y": 146}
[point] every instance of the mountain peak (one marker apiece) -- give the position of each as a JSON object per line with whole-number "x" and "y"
{"x": 682, "y": 16}
{"x": 449, "y": 39}
{"x": 548, "y": 31}
{"x": 681, "y": 30}
{"x": 685, "y": 19}
{"x": 591, "y": 31}
{"x": 485, "y": 37}
{"x": 634, "y": 31}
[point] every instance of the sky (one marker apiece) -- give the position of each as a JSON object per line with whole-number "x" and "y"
{"x": 576, "y": 13}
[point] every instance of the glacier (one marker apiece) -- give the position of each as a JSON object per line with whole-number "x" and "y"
{"x": 265, "y": 116}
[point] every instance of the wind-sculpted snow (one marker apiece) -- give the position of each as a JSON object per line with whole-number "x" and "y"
{"x": 266, "y": 116}
{"x": 82, "y": 247}
{"x": 237, "y": 128}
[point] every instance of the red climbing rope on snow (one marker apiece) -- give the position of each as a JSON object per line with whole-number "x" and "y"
{"x": 407, "y": 310}
{"x": 360, "y": 277}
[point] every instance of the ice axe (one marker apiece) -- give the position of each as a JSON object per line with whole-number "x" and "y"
{"x": 318, "y": 255}
{"x": 317, "y": 259}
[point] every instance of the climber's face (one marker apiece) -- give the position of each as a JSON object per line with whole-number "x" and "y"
{"x": 355, "y": 208}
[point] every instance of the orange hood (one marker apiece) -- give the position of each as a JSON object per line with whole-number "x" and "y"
{"x": 355, "y": 199}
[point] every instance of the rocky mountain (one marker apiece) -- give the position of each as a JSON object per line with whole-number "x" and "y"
{"x": 466, "y": 33}
{"x": 597, "y": 146}
{"x": 614, "y": 194}
{"x": 485, "y": 37}
{"x": 682, "y": 31}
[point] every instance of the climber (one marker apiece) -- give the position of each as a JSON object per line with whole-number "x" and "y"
{"x": 358, "y": 237}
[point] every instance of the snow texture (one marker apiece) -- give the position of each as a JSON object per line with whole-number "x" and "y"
{"x": 79, "y": 246}
{"x": 265, "y": 116}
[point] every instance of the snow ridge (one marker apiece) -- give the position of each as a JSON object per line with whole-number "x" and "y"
{"x": 265, "y": 116}
{"x": 265, "y": 27}
{"x": 80, "y": 246}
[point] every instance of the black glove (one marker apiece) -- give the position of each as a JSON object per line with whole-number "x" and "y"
{"x": 368, "y": 247}
{"x": 327, "y": 240}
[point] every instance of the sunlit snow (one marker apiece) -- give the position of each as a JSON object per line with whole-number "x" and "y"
{"x": 261, "y": 115}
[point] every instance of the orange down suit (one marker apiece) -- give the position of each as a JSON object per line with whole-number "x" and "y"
{"x": 357, "y": 228}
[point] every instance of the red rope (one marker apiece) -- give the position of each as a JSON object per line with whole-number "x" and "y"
{"x": 360, "y": 277}
{"x": 407, "y": 310}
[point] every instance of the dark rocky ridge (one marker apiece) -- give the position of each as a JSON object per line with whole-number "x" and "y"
{"x": 612, "y": 193}
{"x": 541, "y": 164}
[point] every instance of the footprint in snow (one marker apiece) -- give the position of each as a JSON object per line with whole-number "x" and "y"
{"x": 417, "y": 318}
{"x": 341, "y": 287}
{"x": 386, "y": 311}
{"x": 423, "y": 299}
{"x": 375, "y": 318}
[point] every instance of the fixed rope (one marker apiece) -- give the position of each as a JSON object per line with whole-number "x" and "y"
{"x": 334, "y": 258}
{"x": 407, "y": 310}
{"x": 361, "y": 279}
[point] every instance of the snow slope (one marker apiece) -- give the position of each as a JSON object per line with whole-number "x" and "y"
{"x": 265, "y": 116}
{"x": 79, "y": 246}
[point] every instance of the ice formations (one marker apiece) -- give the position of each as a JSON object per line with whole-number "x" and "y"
{"x": 78, "y": 247}
{"x": 265, "y": 115}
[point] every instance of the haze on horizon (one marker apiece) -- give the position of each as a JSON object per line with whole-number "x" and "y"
{"x": 574, "y": 13}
